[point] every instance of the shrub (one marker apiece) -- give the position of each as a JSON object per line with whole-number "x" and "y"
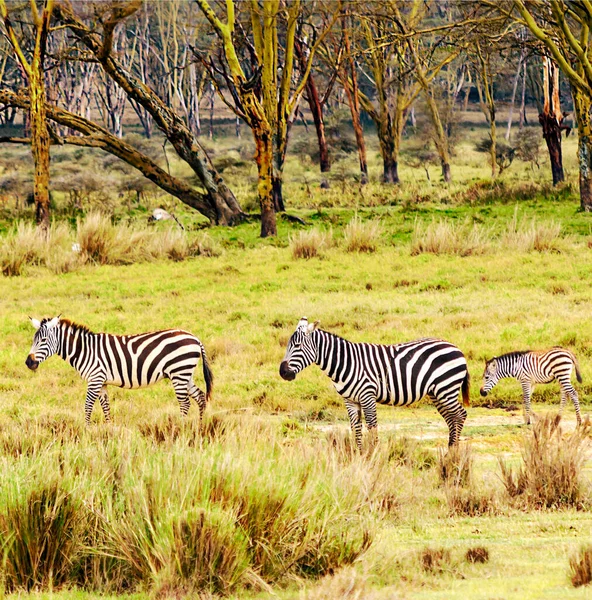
{"x": 362, "y": 236}
{"x": 504, "y": 154}
{"x": 551, "y": 472}
{"x": 448, "y": 237}
{"x": 311, "y": 243}
{"x": 580, "y": 565}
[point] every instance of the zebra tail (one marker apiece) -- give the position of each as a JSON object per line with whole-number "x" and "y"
{"x": 466, "y": 387}
{"x": 208, "y": 375}
{"x": 577, "y": 366}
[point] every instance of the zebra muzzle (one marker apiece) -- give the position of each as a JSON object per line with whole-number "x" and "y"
{"x": 31, "y": 362}
{"x": 286, "y": 373}
{"x": 483, "y": 392}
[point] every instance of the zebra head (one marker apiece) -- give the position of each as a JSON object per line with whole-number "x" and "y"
{"x": 301, "y": 350}
{"x": 45, "y": 342}
{"x": 490, "y": 376}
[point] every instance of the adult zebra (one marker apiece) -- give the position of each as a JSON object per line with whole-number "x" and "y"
{"x": 127, "y": 361}
{"x": 400, "y": 374}
{"x": 530, "y": 367}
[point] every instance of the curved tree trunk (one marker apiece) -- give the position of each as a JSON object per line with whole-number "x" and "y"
{"x": 551, "y": 119}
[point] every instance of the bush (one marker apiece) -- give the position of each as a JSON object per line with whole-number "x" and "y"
{"x": 479, "y": 554}
{"x": 362, "y": 236}
{"x": 311, "y": 243}
{"x": 448, "y": 237}
{"x": 435, "y": 560}
{"x": 504, "y": 154}
{"x": 551, "y": 472}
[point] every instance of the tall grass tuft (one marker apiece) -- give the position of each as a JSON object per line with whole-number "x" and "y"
{"x": 580, "y": 566}
{"x": 448, "y": 237}
{"x": 362, "y": 236}
{"x": 42, "y": 536}
{"x": 455, "y": 466}
{"x": 551, "y": 472}
{"x": 532, "y": 236}
{"x": 311, "y": 243}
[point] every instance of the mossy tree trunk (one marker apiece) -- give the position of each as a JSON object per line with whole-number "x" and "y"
{"x": 582, "y": 106}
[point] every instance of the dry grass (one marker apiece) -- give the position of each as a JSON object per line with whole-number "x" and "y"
{"x": 362, "y": 236}
{"x": 551, "y": 472}
{"x": 449, "y": 237}
{"x": 435, "y": 560}
{"x": 478, "y": 554}
{"x": 311, "y": 243}
{"x": 531, "y": 236}
{"x": 455, "y": 466}
{"x": 580, "y": 566}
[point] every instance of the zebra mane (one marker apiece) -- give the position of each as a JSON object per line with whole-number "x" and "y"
{"x": 511, "y": 355}
{"x": 73, "y": 327}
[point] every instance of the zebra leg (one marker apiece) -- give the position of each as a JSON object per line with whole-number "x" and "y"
{"x": 199, "y": 396}
{"x": 182, "y": 392}
{"x": 563, "y": 400}
{"x": 92, "y": 392}
{"x": 354, "y": 411}
{"x": 368, "y": 405}
{"x": 526, "y": 394}
{"x": 104, "y": 401}
{"x": 568, "y": 389}
{"x": 454, "y": 414}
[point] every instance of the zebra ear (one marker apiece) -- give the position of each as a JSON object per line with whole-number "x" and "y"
{"x": 54, "y": 322}
{"x": 312, "y": 326}
{"x": 302, "y": 323}
{"x": 35, "y": 322}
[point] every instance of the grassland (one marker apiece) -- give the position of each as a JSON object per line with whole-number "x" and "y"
{"x": 316, "y": 520}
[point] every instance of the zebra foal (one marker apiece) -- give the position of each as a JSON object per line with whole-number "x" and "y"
{"x": 529, "y": 368}
{"x": 364, "y": 374}
{"x": 127, "y": 361}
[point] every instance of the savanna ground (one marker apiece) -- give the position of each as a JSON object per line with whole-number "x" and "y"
{"x": 269, "y": 500}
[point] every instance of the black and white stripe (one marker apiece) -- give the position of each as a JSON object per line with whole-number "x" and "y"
{"x": 127, "y": 361}
{"x": 529, "y": 368}
{"x": 400, "y": 374}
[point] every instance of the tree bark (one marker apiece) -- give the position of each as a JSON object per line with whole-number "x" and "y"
{"x": 551, "y": 118}
{"x": 317, "y": 116}
{"x": 264, "y": 159}
{"x": 514, "y": 90}
{"x": 39, "y": 132}
{"x": 582, "y": 105}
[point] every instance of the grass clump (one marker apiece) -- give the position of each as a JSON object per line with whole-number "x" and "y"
{"x": 551, "y": 472}
{"x": 580, "y": 566}
{"x": 435, "y": 560}
{"x": 360, "y": 236}
{"x": 478, "y": 554}
{"x": 455, "y": 466}
{"x": 448, "y": 237}
{"x": 308, "y": 244}
{"x": 41, "y": 533}
{"x": 531, "y": 236}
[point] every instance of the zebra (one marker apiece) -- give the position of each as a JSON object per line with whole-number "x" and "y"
{"x": 530, "y": 367}
{"x": 364, "y": 374}
{"x": 127, "y": 361}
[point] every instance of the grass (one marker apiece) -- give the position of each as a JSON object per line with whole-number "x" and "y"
{"x": 270, "y": 496}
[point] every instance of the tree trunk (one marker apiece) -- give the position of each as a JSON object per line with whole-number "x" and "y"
{"x": 523, "y": 99}
{"x": 265, "y": 180}
{"x": 317, "y": 116}
{"x": 354, "y": 107}
{"x": 582, "y": 105}
{"x": 40, "y": 141}
{"x": 440, "y": 139}
{"x": 513, "y": 100}
{"x": 551, "y": 118}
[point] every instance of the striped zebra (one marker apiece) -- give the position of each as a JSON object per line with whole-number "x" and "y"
{"x": 530, "y": 367}
{"x": 400, "y": 374}
{"x": 127, "y": 361}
